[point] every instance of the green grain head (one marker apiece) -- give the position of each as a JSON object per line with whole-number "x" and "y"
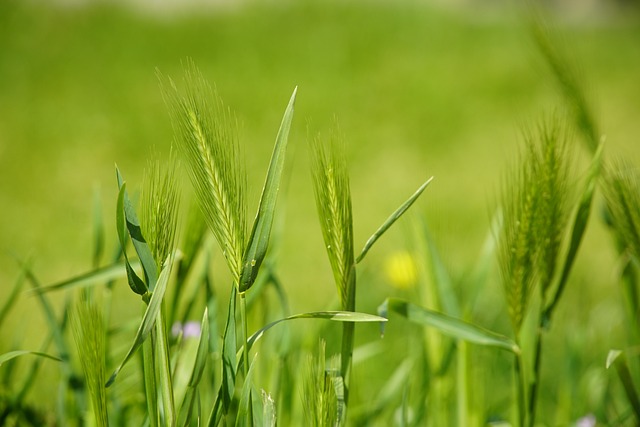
{"x": 89, "y": 334}
{"x": 206, "y": 132}
{"x": 159, "y": 209}
{"x": 333, "y": 200}
{"x": 319, "y": 398}
{"x": 622, "y": 194}
{"x": 535, "y": 215}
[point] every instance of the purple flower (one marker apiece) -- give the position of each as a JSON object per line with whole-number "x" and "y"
{"x": 190, "y": 329}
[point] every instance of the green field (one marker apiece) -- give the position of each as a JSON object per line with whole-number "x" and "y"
{"x": 416, "y": 91}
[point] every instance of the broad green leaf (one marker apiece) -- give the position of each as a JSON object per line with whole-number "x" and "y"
{"x": 259, "y": 240}
{"x": 244, "y": 417}
{"x": 450, "y": 326}
{"x": 140, "y": 245}
{"x": 148, "y": 320}
{"x": 579, "y": 226}
{"x": 100, "y": 275}
{"x": 186, "y": 409}
{"x": 617, "y": 359}
{"x": 135, "y": 283}
{"x": 393, "y": 218}
{"x": 13, "y": 354}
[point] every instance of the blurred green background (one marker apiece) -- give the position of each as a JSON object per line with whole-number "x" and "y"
{"x": 417, "y": 89}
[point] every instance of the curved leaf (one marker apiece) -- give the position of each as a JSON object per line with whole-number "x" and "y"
{"x": 450, "y": 326}
{"x": 13, "y": 354}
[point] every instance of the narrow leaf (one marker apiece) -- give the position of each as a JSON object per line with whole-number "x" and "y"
{"x": 229, "y": 353}
{"x": 100, "y": 275}
{"x": 393, "y": 218}
{"x": 135, "y": 283}
{"x": 619, "y": 361}
{"x": 244, "y": 417}
{"x": 13, "y": 354}
{"x": 336, "y": 316}
{"x": 259, "y": 240}
{"x": 13, "y": 296}
{"x": 450, "y": 326}
{"x": 148, "y": 320}
{"x": 139, "y": 243}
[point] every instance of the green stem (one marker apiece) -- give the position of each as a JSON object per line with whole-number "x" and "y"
{"x": 164, "y": 370}
{"x": 348, "y": 335}
{"x": 520, "y": 388}
{"x": 245, "y": 354}
{"x": 462, "y": 378}
{"x": 533, "y": 387}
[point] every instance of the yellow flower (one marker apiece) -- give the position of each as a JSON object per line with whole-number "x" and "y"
{"x": 400, "y": 269}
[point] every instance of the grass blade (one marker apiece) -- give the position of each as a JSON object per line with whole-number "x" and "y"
{"x": 135, "y": 283}
{"x": 139, "y": 243}
{"x": 229, "y": 353}
{"x": 259, "y": 240}
{"x": 619, "y": 361}
{"x": 99, "y": 275}
{"x": 393, "y": 218}
{"x": 13, "y": 296}
{"x": 148, "y": 320}
{"x": 450, "y": 326}
{"x": 13, "y": 354}
{"x": 244, "y": 417}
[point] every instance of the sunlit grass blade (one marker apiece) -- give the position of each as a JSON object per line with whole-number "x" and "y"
{"x": 98, "y": 276}
{"x": 578, "y": 228}
{"x": 164, "y": 379}
{"x": 17, "y": 353}
{"x": 90, "y": 336}
{"x": 450, "y": 326}
{"x": 148, "y": 320}
{"x": 336, "y": 316}
{"x": 244, "y": 417}
{"x": 139, "y": 243}
{"x": 188, "y": 403}
{"x": 207, "y": 137}
{"x": 259, "y": 239}
{"x": 619, "y": 361}
{"x": 136, "y": 284}
{"x": 150, "y": 386}
{"x": 392, "y": 219}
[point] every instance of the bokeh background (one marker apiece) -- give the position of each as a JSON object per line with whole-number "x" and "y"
{"x": 417, "y": 88}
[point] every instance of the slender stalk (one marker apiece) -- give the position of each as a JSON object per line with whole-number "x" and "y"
{"x": 533, "y": 387}
{"x": 348, "y": 335}
{"x": 462, "y": 378}
{"x": 164, "y": 371}
{"x": 245, "y": 354}
{"x": 521, "y": 386}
